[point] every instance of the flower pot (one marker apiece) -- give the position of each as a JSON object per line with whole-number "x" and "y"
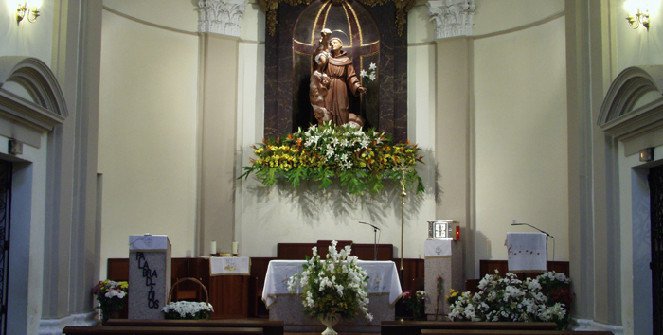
{"x": 109, "y": 314}
{"x": 329, "y": 321}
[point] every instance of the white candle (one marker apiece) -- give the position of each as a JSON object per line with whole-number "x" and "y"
{"x": 235, "y": 248}
{"x": 212, "y": 247}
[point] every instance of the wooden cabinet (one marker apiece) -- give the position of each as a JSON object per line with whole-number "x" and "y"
{"x": 229, "y": 296}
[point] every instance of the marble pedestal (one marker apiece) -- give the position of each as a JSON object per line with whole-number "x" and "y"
{"x": 288, "y": 308}
{"x": 149, "y": 276}
{"x": 442, "y": 258}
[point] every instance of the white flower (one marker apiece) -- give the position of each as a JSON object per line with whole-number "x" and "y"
{"x": 337, "y": 274}
{"x": 372, "y": 66}
{"x": 362, "y": 73}
{"x": 371, "y": 76}
{"x": 188, "y": 309}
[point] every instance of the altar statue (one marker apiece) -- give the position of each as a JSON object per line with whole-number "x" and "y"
{"x": 333, "y": 77}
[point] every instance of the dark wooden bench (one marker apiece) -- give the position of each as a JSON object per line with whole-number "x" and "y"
{"x": 417, "y": 327}
{"x": 508, "y": 332}
{"x": 240, "y": 326}
{"x": 156, "y": 330}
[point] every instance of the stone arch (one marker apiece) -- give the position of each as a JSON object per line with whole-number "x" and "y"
{"x": 47, "y": 108}
{"x": 633, "y": 103}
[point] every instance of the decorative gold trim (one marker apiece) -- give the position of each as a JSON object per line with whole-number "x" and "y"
{"x": 350, "y": 34}
{"x": 271, "y": 6}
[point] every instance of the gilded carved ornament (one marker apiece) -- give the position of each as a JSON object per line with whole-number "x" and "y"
{"x": 271, "y": 6}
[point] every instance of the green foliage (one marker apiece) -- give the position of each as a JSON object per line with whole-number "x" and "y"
{"x": 360, "y": 161}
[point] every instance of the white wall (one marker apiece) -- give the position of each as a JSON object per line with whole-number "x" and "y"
{"x": 175, "y": 14}
{"x": 519, "y": 125}
{"x": 421, "y": 76}
{"x": 148, "y": 117}
{"x": 635, "y": 46}
{"x": 27, "y": 39}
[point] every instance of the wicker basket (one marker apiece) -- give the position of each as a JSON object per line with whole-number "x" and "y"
{"x": 185, "y": 279}
{"x": 200, "y": 314}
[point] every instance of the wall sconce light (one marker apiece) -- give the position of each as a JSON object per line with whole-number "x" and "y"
{"x": 25, "y": 12}
{"x": 646, "y": 155}
{"x": 640, "y": 18}
{"x": 14, "y": 147}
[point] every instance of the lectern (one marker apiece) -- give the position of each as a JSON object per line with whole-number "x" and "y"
{"x": 528, "y": 252}
{"x": 443, "y": 257}
{"x": 149, "y": 275}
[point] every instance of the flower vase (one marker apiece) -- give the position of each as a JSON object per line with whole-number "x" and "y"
{"x": 109, "y": 314}
{"x": 329, "y": 321}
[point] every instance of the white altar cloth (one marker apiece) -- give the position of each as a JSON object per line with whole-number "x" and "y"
{"x": 382, "y": 278}
{"x": 235, "y": 265}
{"x": 384, "y": 289}
{"x": 438, "y": 247}
{"x": 527, "y": 251}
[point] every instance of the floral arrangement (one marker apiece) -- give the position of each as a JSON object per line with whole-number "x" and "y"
{"x": 335, "y": 285}
{"x": 111, "y": 295}
{"x": 509, "y": 299}
{"x": 187, "y": 310}
{"x": 557, "y": 287}
{"x": 414, "y": 303}
{"x": 452, "y": 297}
{"x": 361, "y": 160}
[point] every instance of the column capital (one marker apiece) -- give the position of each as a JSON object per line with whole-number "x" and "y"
{"x": 220, "y": 16}
{"x": 453, "y": 18}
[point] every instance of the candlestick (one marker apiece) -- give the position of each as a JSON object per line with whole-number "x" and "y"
{"x": 212, "y": 247}
{"x": 235, "y": 248}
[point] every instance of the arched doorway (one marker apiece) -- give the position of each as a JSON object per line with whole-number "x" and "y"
{"x": 32, "y": 108}
{"x": 632, "y": 114}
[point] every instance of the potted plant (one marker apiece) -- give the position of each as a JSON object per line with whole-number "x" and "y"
{"x": 413, "y": 304}
{"x": 112, "y": 297}
{"x": 332, "y": 288}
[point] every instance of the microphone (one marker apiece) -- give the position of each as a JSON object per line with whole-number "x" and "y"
{"x": 374, "y": 227}
{"x": 514, "y": 223}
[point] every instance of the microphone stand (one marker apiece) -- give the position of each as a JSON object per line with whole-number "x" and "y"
{"x": 375, "y": 239}
{"x": 514, "y": 223}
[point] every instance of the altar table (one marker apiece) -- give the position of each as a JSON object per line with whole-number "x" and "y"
{"x": 384, "y": 289}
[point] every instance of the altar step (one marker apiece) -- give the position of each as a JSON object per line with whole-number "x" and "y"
{"x": 476, "y": 328}
{"x": 180, "y": 327}
{"x": 508, "y": 332}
